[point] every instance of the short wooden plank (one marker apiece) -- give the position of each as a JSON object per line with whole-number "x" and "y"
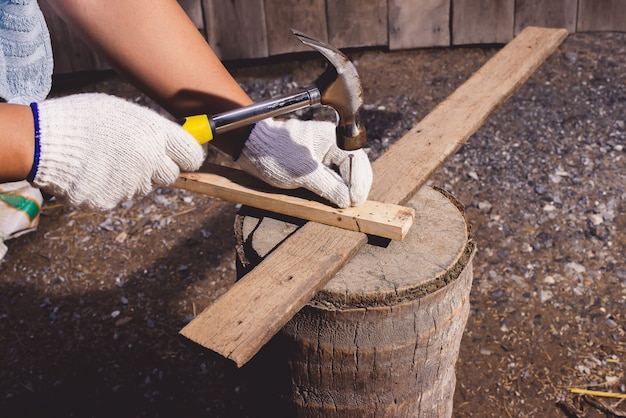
{"x": 375, "y": 218}
{"x": 308, "y": 16}
{"x": 355, "y": 23}
{"x": 418, "y": 24}
{"x": 551, "y": 14}
{"x": 482, "y": 21}
{"x": 242, "y": 320}
{"x": 601, "y": 15}
{"x": 236, "y": 29}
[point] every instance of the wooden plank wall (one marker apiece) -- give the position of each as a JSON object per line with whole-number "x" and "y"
{"x": 250, "y": 29}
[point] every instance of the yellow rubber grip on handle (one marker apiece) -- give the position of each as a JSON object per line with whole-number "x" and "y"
{"x": 199, "y": 127}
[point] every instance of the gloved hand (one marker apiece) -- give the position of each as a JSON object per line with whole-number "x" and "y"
{"x": 293, "y": 153}
{"x": 95, "y": 150}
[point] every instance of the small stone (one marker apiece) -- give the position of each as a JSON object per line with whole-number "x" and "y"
{"x": 127, "y": 204}
{"x": 160, "y": 200}
{"x": 578, "y": 268}
{"x": 57, "y": 280}
{"x": 485, "y": 352}
{"x": 596, "y": 219}
{"x": 484, "y": 206}
{"x": 53, "y": 314}
{"x": 545, "y": 295}
{"x": 123, "y": 321}
{"x": 549, "y": 208}
{"x": 554, "y": 178}
{"x": 572, "y": 57}
{"x": 107, "y": 225}
{"x": 582, "y": 369}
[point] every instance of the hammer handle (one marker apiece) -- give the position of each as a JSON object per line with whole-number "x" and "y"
{"x": 204, "y": 128}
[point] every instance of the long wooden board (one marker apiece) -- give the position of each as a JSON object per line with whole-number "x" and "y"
{"x": 242, "y": 320}
{"x": 381, "y": 219}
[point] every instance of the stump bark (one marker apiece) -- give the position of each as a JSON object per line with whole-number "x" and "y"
{"x": 381, "y": 339}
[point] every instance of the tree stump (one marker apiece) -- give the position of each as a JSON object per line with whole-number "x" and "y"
{"x": 381, "y": 339}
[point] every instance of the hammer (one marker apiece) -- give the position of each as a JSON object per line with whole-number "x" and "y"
{"x": 339, "y": 87}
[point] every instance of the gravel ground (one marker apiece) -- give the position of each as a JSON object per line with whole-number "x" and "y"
{"x": 91, "y": 303}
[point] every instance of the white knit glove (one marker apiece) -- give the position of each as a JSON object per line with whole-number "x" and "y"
{"x": 294, "y": 153}
{"x": 95, "y": 150}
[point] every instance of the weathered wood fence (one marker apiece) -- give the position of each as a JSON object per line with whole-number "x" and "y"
{"x": 248, "y": 29}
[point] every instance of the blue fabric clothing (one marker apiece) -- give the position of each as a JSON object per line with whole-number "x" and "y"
{"x": 25, "y": 52}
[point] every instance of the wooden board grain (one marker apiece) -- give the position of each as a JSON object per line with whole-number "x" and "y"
{"x": 601, "y": 15}
{"x": 355, "y": 23}
{"x": 552, "y": 14}
{"x": 242, "y": 320}
{"x": 375, "y": 218}
{"x": 417, "y": 24}
{"x": 236, "y": 29}
{"x": 308, "y": 16}
{"x": 482, "y": 21}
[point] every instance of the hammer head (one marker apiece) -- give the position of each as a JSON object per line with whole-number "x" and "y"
{"x": 340, "y": 88}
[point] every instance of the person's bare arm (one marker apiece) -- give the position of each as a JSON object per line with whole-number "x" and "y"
{"x": 16, "y": 142}
{"x": 156, "y": 47}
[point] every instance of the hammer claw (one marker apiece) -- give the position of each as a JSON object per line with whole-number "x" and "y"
{"x": 340, "y": 88}
{"x": 332, "y": 54}
{"x": 340, "y": 63}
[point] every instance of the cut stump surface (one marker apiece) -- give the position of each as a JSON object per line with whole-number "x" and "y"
{"x": 382, "y": 337}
